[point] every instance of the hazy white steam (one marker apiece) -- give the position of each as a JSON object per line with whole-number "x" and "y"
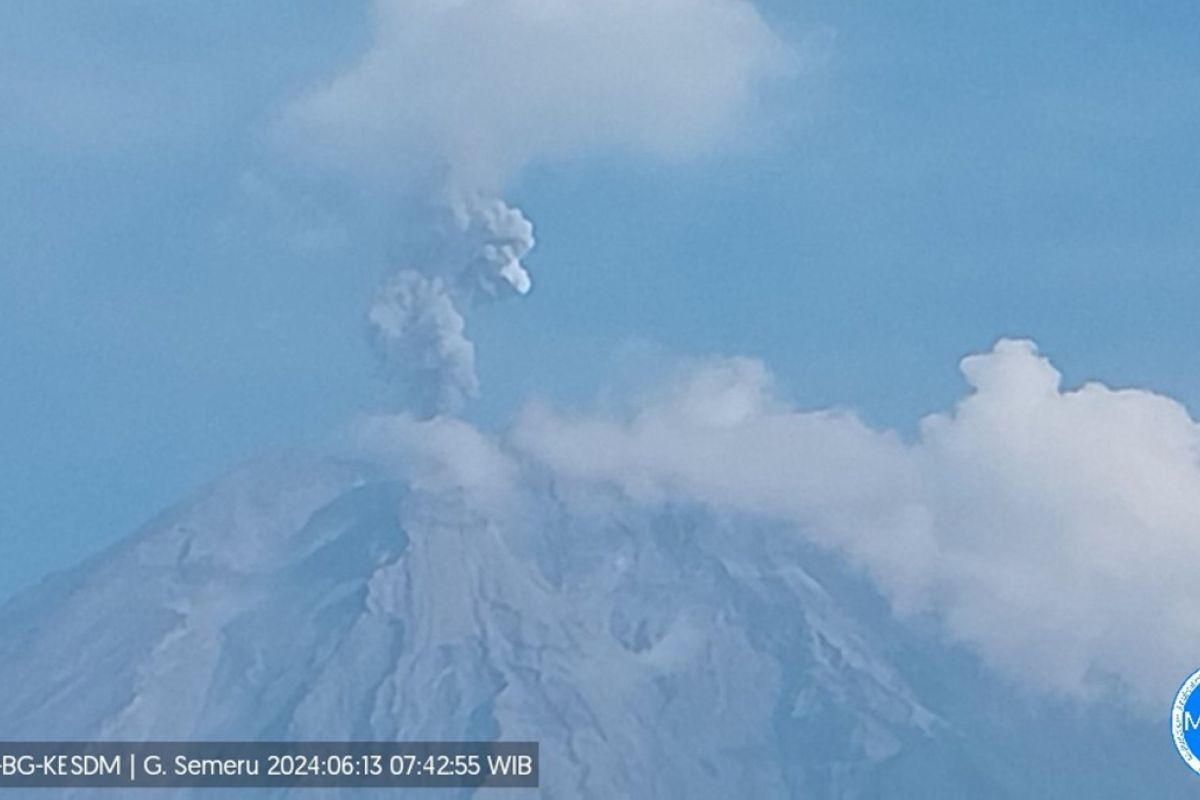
{"x": 1056, "y": 532}
{"x": 483, "y": 88}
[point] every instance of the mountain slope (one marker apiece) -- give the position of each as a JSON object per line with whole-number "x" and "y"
{"x": 652, "y": 653}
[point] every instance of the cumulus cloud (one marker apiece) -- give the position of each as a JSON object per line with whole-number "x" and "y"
{"x": 440, "y": 454}
{"x": 1054, "y": 531}
{"x": 483, "y": 88}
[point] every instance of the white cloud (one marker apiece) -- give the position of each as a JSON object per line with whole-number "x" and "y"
{"x": 1055, "y": 532}
{"x": 482, "y": 88}
{"x": 443, "y": 453}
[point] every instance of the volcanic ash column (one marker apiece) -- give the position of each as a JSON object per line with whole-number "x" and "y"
{"x": 417, "y": 322}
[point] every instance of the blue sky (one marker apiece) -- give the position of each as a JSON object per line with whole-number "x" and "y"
{"x": 945, "y": 176}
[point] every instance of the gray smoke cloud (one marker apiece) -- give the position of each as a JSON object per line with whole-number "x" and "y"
{"x": 418, "y": 319}
{"x": 462, "y": 96}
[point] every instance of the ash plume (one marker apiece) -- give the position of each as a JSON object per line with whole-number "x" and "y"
{"x": 545, "y": 80}
{"x": 418, "y": 319}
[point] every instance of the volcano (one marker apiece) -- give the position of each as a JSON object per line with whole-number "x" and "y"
{"x": 652, "y": 652}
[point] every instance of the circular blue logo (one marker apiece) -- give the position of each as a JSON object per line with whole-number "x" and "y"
{"x": 1185, "y": 721}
